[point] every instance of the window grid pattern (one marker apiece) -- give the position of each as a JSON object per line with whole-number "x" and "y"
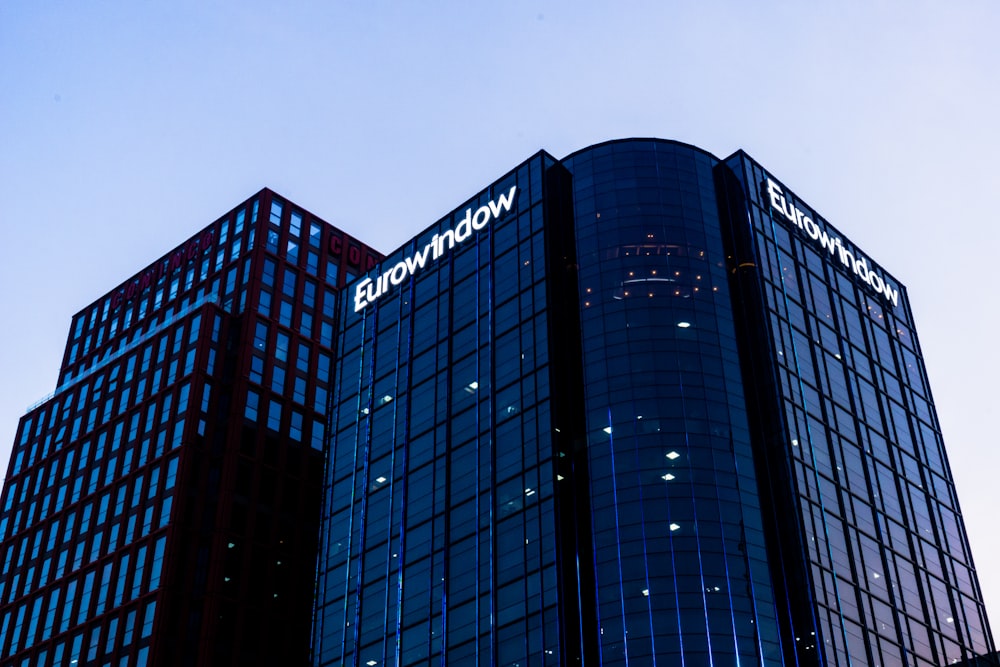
{"x": 889, "y": 561}
{"x": 158, "y": 363}
{"x": 438, "y": 541}
{"x": 89, "y": 498}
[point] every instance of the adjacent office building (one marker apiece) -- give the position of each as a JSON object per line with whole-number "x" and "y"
{"x": 638, "y": 405}
{"x": 162, "y": 506}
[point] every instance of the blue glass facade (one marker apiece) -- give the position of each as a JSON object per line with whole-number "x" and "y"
{"x": 863, "y": 499}
{"x": 439, "y": 540}
{"x": 679, "y": 555}
{"x": 636, "y": 406}
{"x": 630, "y": 407}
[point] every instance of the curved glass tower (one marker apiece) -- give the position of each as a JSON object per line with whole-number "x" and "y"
{"x": 638, "y": 406}
{"x": 679, "y": 556}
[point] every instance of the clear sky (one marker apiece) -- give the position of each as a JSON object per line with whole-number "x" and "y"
{"x": 127, "y": 126}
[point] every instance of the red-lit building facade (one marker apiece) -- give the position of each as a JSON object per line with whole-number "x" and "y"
{"x": 162, "y": 506}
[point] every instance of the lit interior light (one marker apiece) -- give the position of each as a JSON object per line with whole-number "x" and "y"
{"x": 674, "y": 527}
{"x": 559, "y": 478}
{"x": 645, "y": 592}
{"x": 950, "y": 619}
{"x": 667, "y": 477}
{"x": 386, "y": 398}
{"x": 380, "y": 480}
{"x": 876, "y": 575}
{"x": 673, "y": 455}
{"x": 529, "y": 492}
{"x": 795, "y": 443}
{"x": 371, "y": 663}
{"x": 607, "y": 429}
{"x": 683, "y": 325}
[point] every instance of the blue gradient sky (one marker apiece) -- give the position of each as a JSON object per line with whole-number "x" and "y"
{"x": 127, "y": 126}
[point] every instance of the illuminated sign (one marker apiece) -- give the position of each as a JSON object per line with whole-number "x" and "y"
{"x": 367, "y": 291}
{"x": 164, "y": 267}
{"x": 830, "y": 243}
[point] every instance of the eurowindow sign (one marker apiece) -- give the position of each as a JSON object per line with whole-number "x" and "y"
{"x": 370, "y": 290}
{"x": 828, "y": 242}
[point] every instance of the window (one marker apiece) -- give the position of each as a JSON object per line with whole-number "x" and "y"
{"x": 168, "y": 482}
{"x": 285, "y": 313}
{"x": 260, "y": 337}
{"x": 265, "y": 303}
{"x": 278, "y": 380}
{"x": 256, "y": 369}
{"x": 155, "y": 570}
{"x": 269, "y": 270}
{"x": 288, "y": 284}
{"x": 253, "y": 403}
{"x": 302, "y": 360}
{"x": 281, "y": 347}
{"x": 274, "y": 415}
{"x": 317, "y": 435}
{"x": 147, "y": 624}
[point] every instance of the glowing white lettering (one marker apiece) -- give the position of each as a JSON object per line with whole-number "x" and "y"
{"x": 368, "y": 290}
{"x": 832, "y": 244}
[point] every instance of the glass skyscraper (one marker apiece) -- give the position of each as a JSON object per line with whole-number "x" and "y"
{"x": 634, "y": 406}
{"x": 637, "y": 406}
